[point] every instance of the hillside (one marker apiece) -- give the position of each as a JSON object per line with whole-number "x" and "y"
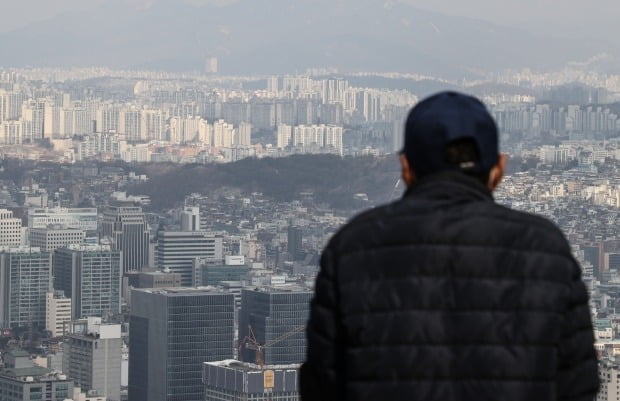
{"x": 333, "y": 180}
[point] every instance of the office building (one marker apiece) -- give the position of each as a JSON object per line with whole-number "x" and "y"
{"x": 21, "y": 380}
{"x": 294, "y": 242}
{"x": 609, "y": 373}
{"x": 92, "y": 357}
{"x": 57, "y": 312}
{"x": 154, "y": 279}
{"x": 236, "y": 381}
{"x": 10, "y": 229}
{"x": 190, "y": 219}
{"x": 53, "y": 237}
{"x": 277, "y": 317}
{"x": 149, "y": 280}
{"x": 128, "y": 231}
{"x": 208, "y": 273}
{"x": 25, "y": 280}
{"x": 78, "y": 218}
{"x": 91, "y": 276}
{"x": 173, "y": 331}
{"x": 176, "y": 251}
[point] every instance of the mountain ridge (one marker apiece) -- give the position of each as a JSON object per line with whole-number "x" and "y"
{"x": 278, "y": 36}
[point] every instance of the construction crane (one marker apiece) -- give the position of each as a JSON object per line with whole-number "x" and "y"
{"x": 394, "y": 190}
{"x": 250, "y": 342}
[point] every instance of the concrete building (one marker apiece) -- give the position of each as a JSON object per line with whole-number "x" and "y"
{"x": 21, "y": 380}
{"x": 277, "y": 317}
{"x": 78, "y": 218}
{"x": 155, "y": 279}
{"x": 190, "y": 219}
{"x": 173, "y": 331}
{"x": 25, "y": 280}
{"x": 53, "y": 237}
{"x": 176, "y": 251}
{"x": 57, "y": 312}
{"x": 10, "y": 229}
{"x": 92, "y": 357}
{"x": 609, "y": 373}
{"x": 91, "y": 276}
{"x": 236, "y": 381}
{"x": 208, "y": 273}
{"x": 128, "y": 230}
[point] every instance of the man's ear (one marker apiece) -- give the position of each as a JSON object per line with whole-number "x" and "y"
{"x": 406, "y": 173}
{"x": 497, "y": 172}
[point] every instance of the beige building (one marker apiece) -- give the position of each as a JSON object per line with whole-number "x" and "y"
{"x": 57, "y": 313}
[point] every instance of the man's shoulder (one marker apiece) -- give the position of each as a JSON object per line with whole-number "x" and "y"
{"x": 481, "y": 219}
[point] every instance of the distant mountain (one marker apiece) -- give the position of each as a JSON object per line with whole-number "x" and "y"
{"x": 280, "y": 36}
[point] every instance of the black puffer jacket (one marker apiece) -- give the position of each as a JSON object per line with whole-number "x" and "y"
{"x": 445, "y": 295}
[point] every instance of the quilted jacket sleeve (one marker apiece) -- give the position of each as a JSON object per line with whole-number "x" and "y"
{"x": 321, "y": 376}
{"x": 578, "y": 367}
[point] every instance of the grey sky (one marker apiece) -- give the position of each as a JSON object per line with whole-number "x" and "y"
{"x": 565, "y": 17}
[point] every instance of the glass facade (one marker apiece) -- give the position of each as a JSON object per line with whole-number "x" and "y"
{"x": 91, "y": 276}
{"x": 178, "y": 329}
{"x": 28, "y": 274}
{"x": 276, "y": 316}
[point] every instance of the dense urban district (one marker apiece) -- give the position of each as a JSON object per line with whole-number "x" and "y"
{"x": 160, "y": 233}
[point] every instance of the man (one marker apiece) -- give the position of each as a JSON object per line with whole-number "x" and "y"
{"x": 445, "y": 295}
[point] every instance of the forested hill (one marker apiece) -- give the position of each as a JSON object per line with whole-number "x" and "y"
{"x": 332, "y": 179}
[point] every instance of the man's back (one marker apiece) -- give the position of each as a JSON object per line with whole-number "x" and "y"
{"x": 445, "y": 295}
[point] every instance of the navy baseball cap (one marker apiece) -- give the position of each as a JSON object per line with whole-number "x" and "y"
{"x": 446, "y": 118}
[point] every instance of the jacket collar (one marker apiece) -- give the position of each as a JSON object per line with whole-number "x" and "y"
{"x": 449, "y": 184}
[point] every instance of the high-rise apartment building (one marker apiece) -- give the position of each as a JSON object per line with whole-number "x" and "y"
{"x": 128, "y": 231}
{"x": 25, "y": 280}
{"x": 176, "y": 251}
{"x": 91, "y": 276}
{"x": 243, "y": 134}
{"x": 10, "y": 229}
{"x": 173, "y": 331}
{"x": 92, "y": 357}
{"x": 277, "y": 316}
{"x": 57, "y": 312}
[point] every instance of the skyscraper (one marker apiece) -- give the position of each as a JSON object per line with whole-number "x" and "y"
{"x": 294, "y": 241}
{"x": 92, "y": 357}
{"x": 128, "y": 230}
{"x": 176, "y": 251}
{"x": 25, "y": 280}
{"x": 277, "y": 316}
{"x": 173, "y": 331}
{"x": 91, "y": 276}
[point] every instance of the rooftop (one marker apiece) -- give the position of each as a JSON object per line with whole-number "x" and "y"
{"x": 183, "y": 291}
{"x": 250, "y": 367}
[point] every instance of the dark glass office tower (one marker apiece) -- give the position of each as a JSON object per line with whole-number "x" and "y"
{"x": 126, "y": 227}
{"x": 278, "y": 316}
{"x": 171, "y": 333}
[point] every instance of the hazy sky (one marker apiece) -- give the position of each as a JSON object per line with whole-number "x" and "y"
{"x": 567, "y": 17}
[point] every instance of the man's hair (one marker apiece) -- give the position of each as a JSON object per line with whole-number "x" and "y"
{"x": 463, "y": 155}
